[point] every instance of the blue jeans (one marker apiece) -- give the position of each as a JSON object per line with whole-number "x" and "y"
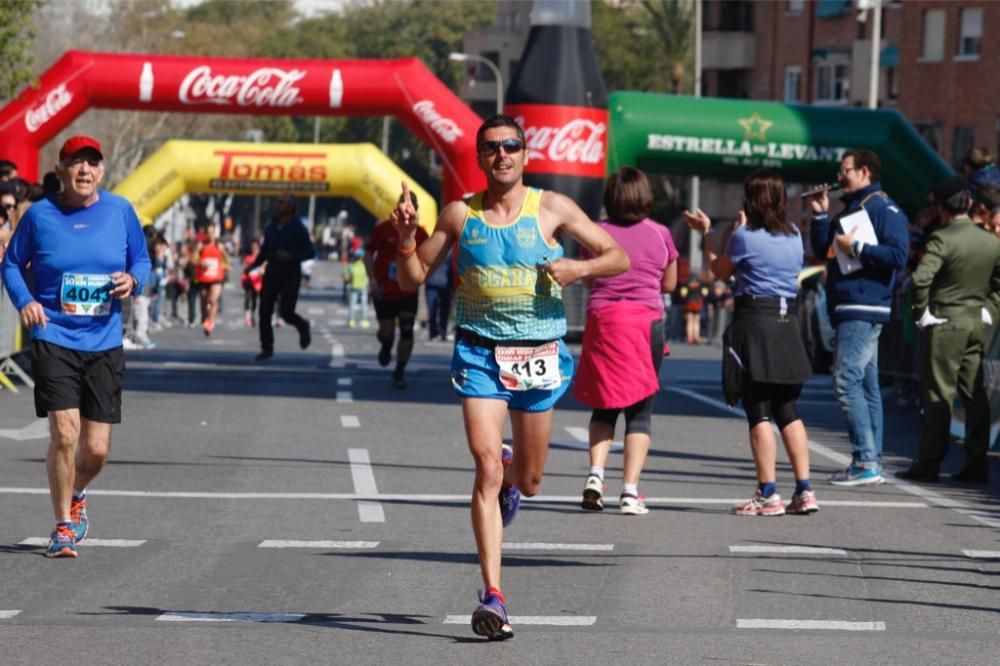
{"x": 855, "y": 382}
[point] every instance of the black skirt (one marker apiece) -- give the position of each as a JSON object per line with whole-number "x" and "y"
{"x": 763, "y": 344}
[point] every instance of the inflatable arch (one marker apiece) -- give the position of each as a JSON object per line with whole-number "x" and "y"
{"x": 727, "y": 138}
{"x": 358, "y": 170}
{"x": 404, "y": 88}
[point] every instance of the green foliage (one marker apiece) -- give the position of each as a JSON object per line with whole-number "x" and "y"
{"x": 17, "y": 30}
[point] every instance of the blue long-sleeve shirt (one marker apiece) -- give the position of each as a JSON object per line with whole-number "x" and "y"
{"x": 57, "y": 244}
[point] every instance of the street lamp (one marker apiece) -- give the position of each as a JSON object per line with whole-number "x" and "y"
{"x": 463, "y": 57}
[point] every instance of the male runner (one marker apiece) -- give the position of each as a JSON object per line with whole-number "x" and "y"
{"x": 509, "y": 355}
{"x": 86, "y": 251}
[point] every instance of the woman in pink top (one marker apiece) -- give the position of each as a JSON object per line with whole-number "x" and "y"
{"x": 623, "y": 338}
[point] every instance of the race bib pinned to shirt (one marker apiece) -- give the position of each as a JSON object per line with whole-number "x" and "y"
{"x": 526, "y": 368}
{"x": 86, "y": 295}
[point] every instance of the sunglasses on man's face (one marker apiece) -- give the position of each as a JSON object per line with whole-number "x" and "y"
{"x": 510, "y": 146}
{"x": 9, "y": 206}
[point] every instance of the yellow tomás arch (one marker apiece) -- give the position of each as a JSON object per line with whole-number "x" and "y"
{"x": 357, "y": 170}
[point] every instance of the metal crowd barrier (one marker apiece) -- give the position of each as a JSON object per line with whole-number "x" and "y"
{"x": 10, "y": 344}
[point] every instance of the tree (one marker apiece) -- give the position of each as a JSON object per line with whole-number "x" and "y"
{"x": 17, "y": 30}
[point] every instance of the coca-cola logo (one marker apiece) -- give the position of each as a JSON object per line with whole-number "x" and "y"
{"x": 446, "y": 128}
{"x": 57, "y": 100}
{"x": 578, "y": 140}
{"x": 267, "y": 86}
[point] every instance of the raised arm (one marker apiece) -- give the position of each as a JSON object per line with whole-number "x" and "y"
{"x": 608, "y": 256}
{"x": 715, "y": 243}
{"x": 414, "y": 264}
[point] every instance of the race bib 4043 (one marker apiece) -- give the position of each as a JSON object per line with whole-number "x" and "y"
{"x": 84, "y": 295}
{"x": 524, "y": 368}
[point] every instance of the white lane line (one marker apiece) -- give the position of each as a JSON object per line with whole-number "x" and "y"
{"x": 929, "y": 495}
{"x": 314, "y": 311}
{"x": 983, "y": 554}
{"x": 184, "y": 616}
{"x": 787, "y": 550}
{"x": 279, "y": 543}
{"x": 582, "y": 436}
{"x": 364, "y": 484}
{"x": 344, "y": 381}
{"x": 189, "y": 365}
{"x": 337, "y": 350}
{"x": 833, "y": 625}
{"x": 350, "y": 421}
{"x": 601, "y": 547}
{"x": 399, "y": 497}
{"x": 7, "y": 614}
{"x": 345, "y": 396}
{"x": 103, "y": 543}
{"x": 549, "y": 620}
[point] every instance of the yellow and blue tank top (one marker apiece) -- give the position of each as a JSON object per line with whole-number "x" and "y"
{"x": 504, "y": 291}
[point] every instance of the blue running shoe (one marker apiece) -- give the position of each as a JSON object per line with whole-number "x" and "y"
{"x": 490, "y": 619}
{"x": 78, "y": 514}
{"x": 62, "y": 543}
{"x": 510, "y": 502}
{"x": 857, "y": 476}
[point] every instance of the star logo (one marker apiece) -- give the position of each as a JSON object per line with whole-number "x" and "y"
{"x": 754, "y": 127}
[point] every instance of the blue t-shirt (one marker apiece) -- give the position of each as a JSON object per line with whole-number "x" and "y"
{"x": 766, "y": 264}
{"x": 71, "y": 253}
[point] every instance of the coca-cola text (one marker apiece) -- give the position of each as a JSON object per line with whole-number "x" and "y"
{"x": 446, "y": 128}
{"x": 563, "y": 139}
{"x": 57, "y": 100}
{"x": 267, "y": 86}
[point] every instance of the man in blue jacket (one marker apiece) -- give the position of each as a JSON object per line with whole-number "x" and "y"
{"x": 860, "y": 303}
{"x": 86, "y": 252}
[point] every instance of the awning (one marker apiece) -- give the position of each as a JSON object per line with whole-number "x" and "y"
{"x": 832, "y": 8}
{"x": 889, "y": 57}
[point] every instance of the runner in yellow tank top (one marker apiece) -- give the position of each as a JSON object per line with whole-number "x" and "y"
{"x": 488, "y": 389}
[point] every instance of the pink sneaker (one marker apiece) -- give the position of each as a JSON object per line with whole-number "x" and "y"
{"x": 803, "y": 503}
{"x": 761, "y": 506}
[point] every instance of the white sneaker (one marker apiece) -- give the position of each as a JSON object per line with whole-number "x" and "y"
{"x": 630, "y": 505}
{"x": 593, "y": 494}
{"x": 128, "y": 345}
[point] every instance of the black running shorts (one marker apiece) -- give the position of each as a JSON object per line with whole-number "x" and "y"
{"x": 392, "y": 309}
{"x": 70, "y": 379}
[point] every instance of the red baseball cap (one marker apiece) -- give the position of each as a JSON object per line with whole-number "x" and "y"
{"x": 75, "y": 144}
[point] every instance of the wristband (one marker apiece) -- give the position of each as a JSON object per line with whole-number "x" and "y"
{"x": 406, "y": 252}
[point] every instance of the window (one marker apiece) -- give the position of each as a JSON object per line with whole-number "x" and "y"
{"x": 832, "y": 82}
{"x": 733, "y": 83}
{"x": 962, "y": 141}
{"x": 793, "y": 85}
{"x": 795, "y": 6}
{"x": 970, "y": 32}
{"x": 892, "y": 83}
{"x": 933, "y": 49}
{"x": 931, "y": 133}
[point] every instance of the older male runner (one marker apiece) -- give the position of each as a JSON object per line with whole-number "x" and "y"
{"x": 86, "y": 251}
{"x": 509, "y": 354}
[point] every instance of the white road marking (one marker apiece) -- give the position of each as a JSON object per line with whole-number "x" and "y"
{"x": 582, "y": 436}
{"x": 350, "y": 421}
{"x": 364, "y": 484}
{"x": 314, "y": 311}
{"x": 345, "y": 396}
{"x": 279, "y": 543}
{"x": 37, "y": 429}
{"x": 344, "y": 381}
{"x": 983, "y": 554}
{"x": 787, "y": 550}
{"x": 549, "y": 620}
{"x": 7, "y": 614}
{"x": 929, "y": 495}
{"x": 399, "y": 497}
{"x": 337, "y": 350}
{"x": 189, "y": 365}
{"x": 104, "y": 543}
{"x": 603, "y": 547}
{"x": 833, "y": 625}
{"x": 184, "y": 616}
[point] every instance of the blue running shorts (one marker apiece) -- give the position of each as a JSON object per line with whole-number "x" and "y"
{"x": 475, "y": 374}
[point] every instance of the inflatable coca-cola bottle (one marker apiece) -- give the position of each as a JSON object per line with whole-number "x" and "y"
{"x": 557, "y": 94}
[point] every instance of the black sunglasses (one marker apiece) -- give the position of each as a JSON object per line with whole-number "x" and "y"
{"x": 510, "y": 146}
{"x": 10, "y": 206}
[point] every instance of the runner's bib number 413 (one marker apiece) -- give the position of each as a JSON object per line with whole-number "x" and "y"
{"x": 525, "y": 368}
{"x": 86, "y": 295}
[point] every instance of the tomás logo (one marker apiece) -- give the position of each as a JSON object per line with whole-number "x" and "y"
{"x": 267, "y": 86}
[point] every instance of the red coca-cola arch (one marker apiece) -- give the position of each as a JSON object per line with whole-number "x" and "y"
{"x": 404, "y": 88}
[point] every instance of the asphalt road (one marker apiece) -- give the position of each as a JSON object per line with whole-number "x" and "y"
{"x": 306, "y": 512}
